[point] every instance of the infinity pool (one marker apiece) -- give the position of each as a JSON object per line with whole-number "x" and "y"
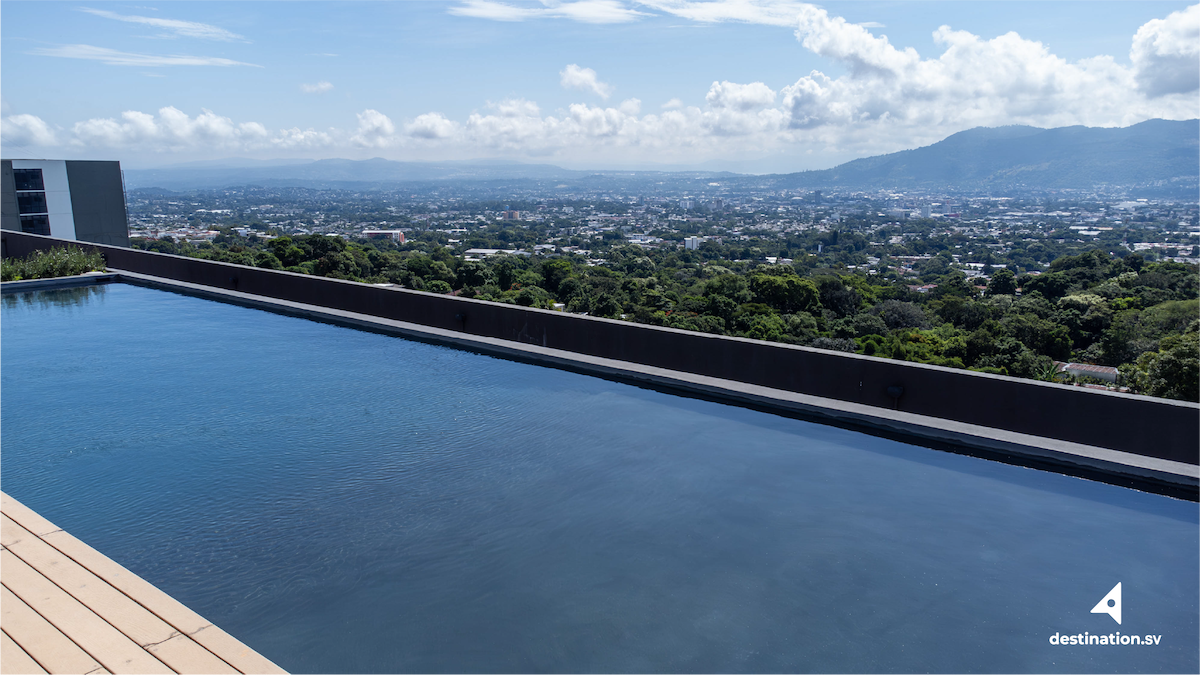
{"x": 343, "y": 501}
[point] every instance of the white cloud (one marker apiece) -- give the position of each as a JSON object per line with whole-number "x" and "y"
{"x": 431, "y": 126}
{"x": 301, "y": 138}
{"x": 584, "y": 11}
{"x": 113, "y": 57}
{"x": 375, "y": 130}
{"x": 173, "y": 130}
{"x": 1166, "y": 54}
{"x": 768, "y": 12}
{"x": 887, "y": 98}
{"x": 25, "y": 131}
{"x": 765, "y": 12}
{"x": 574, "y": 77}
{"x": 177, "y": 28}
{"x": 318, "y": 88}
{"x": 894, "y": 93}
{"x": 741, "y": 97}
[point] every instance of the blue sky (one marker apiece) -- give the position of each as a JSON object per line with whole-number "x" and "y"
{"x": 750, "y": 85}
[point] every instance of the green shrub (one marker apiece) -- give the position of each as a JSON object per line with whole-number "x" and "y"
{"x": 56, "y": 262}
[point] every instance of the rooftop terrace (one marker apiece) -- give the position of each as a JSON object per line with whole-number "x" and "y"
{"x": 346, "y": 501}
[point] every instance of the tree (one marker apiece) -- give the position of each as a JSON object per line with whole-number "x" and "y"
{"x": 786, "y": 294}
{"x": 1171, "y": 372}
{"x": 1003, "y": 282}
{"x": 897, "y": 314}
{"x": 555, "y": 272}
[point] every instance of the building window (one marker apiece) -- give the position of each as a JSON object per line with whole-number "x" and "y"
{"x": 36, "y": 224}
{"x": 28, "y": 179}
{"x": 31, "y": 202}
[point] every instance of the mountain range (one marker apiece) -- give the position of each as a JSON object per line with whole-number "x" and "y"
{"x": 1066, "y": 157}
{"x": 1155, "y": 153}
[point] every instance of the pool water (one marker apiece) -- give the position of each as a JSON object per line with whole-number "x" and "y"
{"x": 344, "y": 501}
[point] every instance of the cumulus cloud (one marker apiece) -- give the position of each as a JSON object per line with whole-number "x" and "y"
{"x": 113, "y": 57}
{"x": 26, "y": 131}
{"x": 431, "y": 126}
{"x": 574, "y": 77}
{"x": 174, "y": 28}
{"x": 975, "y": 81}
{"x": 1166, "y": 54}
{"x": 885, "y": 97}
{"x": 742, "y": 97}
{"x": 584, "y": 11}
{"x": 318, "y": 88}
{"x": 375, "y": 130}
{"x": 172, "y": 130}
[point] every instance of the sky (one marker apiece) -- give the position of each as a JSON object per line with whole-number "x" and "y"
{"x": 754, "y": 86}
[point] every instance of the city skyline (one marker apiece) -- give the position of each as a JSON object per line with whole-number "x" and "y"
{"x": 743, "y": 85}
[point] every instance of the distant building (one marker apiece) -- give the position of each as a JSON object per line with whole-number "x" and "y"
{"x": 692, "y": 243}
{"x": 394, "y": 235}
{"x": 687, "y": 204}
{"x": 1106, "y": 373}
{"x": 68, "y": 199}
{"x": 480, "y": 253}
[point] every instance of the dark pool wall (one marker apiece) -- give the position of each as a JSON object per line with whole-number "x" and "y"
{"x": 1149, "y": 427}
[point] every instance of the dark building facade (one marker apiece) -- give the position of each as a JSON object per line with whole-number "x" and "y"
{"x": 69, "y": 199}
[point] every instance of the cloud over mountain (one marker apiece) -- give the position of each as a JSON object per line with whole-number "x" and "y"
{"x": 883, "y": 97}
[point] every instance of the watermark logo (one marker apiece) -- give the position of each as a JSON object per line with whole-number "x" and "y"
{"x": 1110, "y": 604}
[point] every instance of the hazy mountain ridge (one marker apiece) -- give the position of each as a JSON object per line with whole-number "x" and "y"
{"x": 1065, "y": 157}
{"x": 1153, "y": 152}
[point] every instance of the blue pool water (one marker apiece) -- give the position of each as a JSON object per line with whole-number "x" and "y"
{"x": 349, "y": 502}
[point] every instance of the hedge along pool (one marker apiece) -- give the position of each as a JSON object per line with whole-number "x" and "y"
{"x": 344, "y": 501}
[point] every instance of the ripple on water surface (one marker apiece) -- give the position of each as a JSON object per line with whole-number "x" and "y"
{"x": 348, "y": 502}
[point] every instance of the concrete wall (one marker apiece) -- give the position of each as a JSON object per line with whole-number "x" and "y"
{"x": 98, "y": 202}
{"x": 1136, "y": 424}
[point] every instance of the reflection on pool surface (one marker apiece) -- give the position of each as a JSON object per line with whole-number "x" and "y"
{"x": 343, "y": 501}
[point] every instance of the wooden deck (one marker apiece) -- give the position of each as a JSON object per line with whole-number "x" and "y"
{"x": 66, "y": 608}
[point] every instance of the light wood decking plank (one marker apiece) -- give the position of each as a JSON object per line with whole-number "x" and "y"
{"x": 116, "y": 652}
{"x": 185, "y": 656}
{"x": 145, "y": 593}
{"x": 235, "y": 653}
{"x": 25, "y": 516}
{"x": 39, "y": 638}
{"x": 169, "y": 609}
{"x": 14, "y": 660}
{"x": 20, "y": 523}
{"x": 110, "y": 604}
